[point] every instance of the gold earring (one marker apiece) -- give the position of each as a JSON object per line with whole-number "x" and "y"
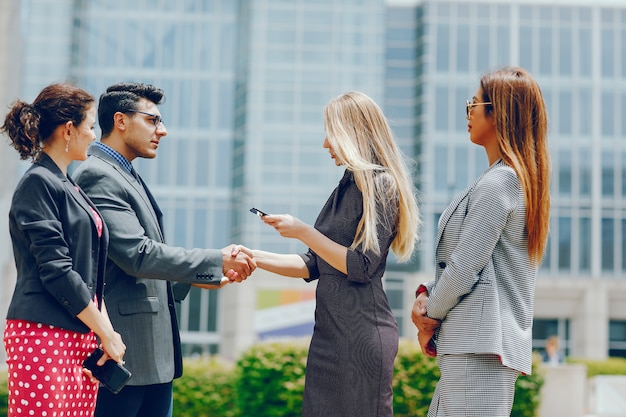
{"x": 67, "y": 146}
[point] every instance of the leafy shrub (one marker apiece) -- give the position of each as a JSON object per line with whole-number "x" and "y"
{"x": 528, "y": 391}
{"x": 4, "y": 394}
{"x": 415, "y": 377}
{"x": 611, "y": 366}
{"x": 270, "y": 380}
{"x": 205, "y": 389}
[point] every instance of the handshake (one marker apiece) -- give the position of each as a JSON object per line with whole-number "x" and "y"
{"x": 238, "y": 261}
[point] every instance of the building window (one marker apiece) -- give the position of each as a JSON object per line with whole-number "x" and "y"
{"x": 584, "y": 169}
{"x": 565, "y": 243}
{"x": 545, "y": 328}
{"x": 608, "y": 174}
{"x": 565, "y": 172}
{"x": 442, "y": 109}
{"x": 608, "y": 53}
{"x": 584, "y": 108}
{"x": 394, "y": 286}
{"x": 617, "y": 338}
{"x": 608, "y": 244}
{"x": 623, "y": 163}
{"x": 565, "y": 51}
{"x": 623, "y": 239}
{"x": 584, "y": 51}
{"x": 443, "y": 47}
{"x": 585, "y": 245}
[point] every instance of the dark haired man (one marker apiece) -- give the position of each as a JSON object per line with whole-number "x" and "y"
{"x": 140, "y": 298}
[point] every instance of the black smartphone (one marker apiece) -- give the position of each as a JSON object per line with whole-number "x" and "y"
{"x": 258, "y": 212}
{"x": 112, "y": 375}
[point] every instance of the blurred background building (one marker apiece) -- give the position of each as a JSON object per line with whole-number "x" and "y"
{"x": 246, "y": 82}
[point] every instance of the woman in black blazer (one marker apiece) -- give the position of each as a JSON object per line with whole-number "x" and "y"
{"x": 60, "y": 246}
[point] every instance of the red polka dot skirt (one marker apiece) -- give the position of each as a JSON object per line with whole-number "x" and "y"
{"x": 45, "y": 374}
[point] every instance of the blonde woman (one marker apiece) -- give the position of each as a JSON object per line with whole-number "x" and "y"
{"x": 355, "y": 340}
{"x": 490, "y": 243}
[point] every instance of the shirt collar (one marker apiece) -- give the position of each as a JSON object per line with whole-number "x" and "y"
{"x": 115, "y": 155}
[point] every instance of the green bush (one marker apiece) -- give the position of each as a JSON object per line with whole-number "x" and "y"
{"x": 4, "y": 393}
{"x": 207, "y": 388}
{"x": 415, "y": 377}
{"x": 611, "y": 366}
{"x": 270, "y": 380}
{"x": 528, "y": 391}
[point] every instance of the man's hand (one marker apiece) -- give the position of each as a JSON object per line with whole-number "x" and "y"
{"x": 225, "y": 280}
{"x": 237, "y": 265}
{"x": 426, "y": 326}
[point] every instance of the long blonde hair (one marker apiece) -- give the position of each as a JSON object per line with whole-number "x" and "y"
{"x": 521, "y": 121}
{"x": 362, "y": 140}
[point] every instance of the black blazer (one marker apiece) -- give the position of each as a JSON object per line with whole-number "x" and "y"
{"x": 59, "y": 258}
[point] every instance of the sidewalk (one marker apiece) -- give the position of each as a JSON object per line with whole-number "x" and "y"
{"x": 607, "y": 396}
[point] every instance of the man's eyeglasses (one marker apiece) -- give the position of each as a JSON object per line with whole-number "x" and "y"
{"x": 469, "y": 105}
{"x": 156, "y": 119}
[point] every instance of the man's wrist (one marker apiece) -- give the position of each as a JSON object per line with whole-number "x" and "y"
{"x": 422, "y": 288}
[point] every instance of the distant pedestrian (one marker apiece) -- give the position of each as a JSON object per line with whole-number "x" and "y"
{"x": 551, "y": 354}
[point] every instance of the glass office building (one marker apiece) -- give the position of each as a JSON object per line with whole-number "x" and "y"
{"x": 246, "y": 82}
{"x": 577, "y": 53}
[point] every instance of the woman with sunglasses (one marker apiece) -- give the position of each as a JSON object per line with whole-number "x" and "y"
{"x": 476, "y": 315}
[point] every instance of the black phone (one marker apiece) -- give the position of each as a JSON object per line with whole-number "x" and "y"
{"x": 112, "y": 374}
{"x": 258, "y": 212}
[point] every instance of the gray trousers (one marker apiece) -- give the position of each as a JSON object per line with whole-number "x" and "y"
{"x": 473, "y": 385}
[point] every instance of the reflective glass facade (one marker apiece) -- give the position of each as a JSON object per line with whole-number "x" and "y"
{"x": 246, "y": 82}
{"x": 294, "y": 56}
{"x": 578, "y": 56}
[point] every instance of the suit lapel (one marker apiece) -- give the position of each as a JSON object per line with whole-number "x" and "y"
{"x": 445, "y": 216}
{"x": 137, "y": 184}
{"x": 153, "y": 203}
{"x": 78, "y": 196}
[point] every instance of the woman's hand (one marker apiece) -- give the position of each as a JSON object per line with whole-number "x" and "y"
{"x": 286, "y": 225}
{"x": 426, "y": 326}
{"x": 113, "y": 348}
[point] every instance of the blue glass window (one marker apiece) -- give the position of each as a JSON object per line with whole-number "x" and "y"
{"x": 608, "y": 174}
{"x": 584, "y": 240}
{"x": 608, "y": 244}
{"x": 565, "y": 243}
{"x": 565, "y": 172}
{"x": 442, "y": 47}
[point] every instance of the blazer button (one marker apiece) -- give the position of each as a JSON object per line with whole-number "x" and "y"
{"x": 442, "y": 265}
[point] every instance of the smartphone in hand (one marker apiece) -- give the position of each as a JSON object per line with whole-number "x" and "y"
{"x": 112, "y": 374}
{"x": 258, "y": 212}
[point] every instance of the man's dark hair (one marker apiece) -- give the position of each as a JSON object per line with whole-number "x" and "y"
{"x": 123, "y": 97}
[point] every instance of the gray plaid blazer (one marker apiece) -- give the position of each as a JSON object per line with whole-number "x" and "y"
{"x": 138, "y": 295}
{"x": 484, "y": 286}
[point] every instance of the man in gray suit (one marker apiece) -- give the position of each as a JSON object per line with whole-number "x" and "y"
{"x": 139, "y": 296}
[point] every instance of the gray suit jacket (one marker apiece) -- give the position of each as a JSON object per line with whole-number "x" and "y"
{"x": 485, "y": 282}
{"x": 138, "y": 296}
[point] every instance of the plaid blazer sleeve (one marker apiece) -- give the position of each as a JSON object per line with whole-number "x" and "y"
{"x": 484, "y": 287}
